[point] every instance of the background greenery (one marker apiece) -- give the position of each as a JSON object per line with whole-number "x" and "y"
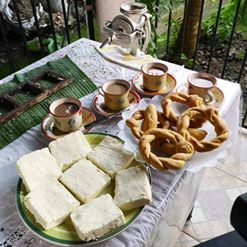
{"x": 158, "y": 44}
{"x": 159, "y": 35}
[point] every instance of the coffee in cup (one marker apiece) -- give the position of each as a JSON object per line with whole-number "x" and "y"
{"x": 202, "y": 84}
{"x": 154, "y": 76}
{"x": 67, "y": 113}
{"x": 115, "y": 94}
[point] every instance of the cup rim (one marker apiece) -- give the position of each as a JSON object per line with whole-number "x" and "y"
{"x": 62, "y": 100}
{"x": 120, "y": 81}
{"x": 202, "y": 75}
{"x": 126, "y": 8}
{"x": 154, "y": 65}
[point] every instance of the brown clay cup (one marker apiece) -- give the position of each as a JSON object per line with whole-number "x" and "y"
{"x": 154, "y": 76}
{"x": 201, "y": 84}
{"x": 67, "y": 122}
{"x": 115, "y": 93}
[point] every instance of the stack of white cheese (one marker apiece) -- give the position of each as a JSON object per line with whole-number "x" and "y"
{"x": 67, "y": 179}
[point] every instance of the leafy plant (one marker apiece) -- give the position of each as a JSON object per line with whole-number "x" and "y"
{"x": 158, "y": 40}
{"x": 239, "y": 55}
{"x": 48, "y": 43}
{"x": 188, "y": 62}
{"x": 227, "y": 15}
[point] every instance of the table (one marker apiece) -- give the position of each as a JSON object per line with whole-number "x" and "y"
{"x": 173, "y": 194}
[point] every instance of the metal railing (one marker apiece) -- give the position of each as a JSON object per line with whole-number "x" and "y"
{"x": 88, "y": 11}
{"x": 213, "y": 43}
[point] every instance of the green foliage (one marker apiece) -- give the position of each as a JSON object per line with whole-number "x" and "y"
{"x": 227, "y": 14}
{"x": 50, "y": 44}
{"x": 156, "y": 45}
{"x": 33, "y": 45}
{"x": 188, "y": 62}
{"x": 158, "y": 40}
{"x": 239, "y": 55}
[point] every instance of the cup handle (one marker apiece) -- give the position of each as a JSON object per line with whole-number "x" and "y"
{"x": 100, "y": 90}
{"x": 209, "y": 97}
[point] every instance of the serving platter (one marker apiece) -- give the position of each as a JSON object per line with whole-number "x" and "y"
{"x": 65, "y": 233}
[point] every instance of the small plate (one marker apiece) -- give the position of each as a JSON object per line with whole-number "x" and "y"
{"x": 217, "y": 93}
{"x": 99, "y": 105}
{"x": 52, "y": 133}
{"x": 137, "y": 83}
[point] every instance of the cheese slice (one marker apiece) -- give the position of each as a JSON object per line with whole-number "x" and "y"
{"x": 110, "y": 156}
{"x": 69, "y": 149}
{"x": 50, "y": 204}
{"x": 96, "y": 218}
{"x": 132, "y": 188}
{"x": 37, "y": 168}
{"x": 85, "y": 180}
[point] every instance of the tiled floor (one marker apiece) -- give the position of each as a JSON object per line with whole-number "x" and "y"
{"x": 220, "y": 187}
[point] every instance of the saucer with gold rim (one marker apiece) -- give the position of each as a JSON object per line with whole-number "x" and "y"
{"x": 52, "y": 133}
{"x": 137, "y": 83}
{"x": 218, "y": 95}
{"x": 100, "y": 108}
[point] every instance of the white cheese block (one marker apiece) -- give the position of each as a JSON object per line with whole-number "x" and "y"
{"x": 132, "y": 188}
{"x": 96, "y": 218}
{"x": 85, "y": 180}
{"x": 69, "y": 149}
{"x": 110, "y": 156}
{"x": 37, "y": 168}
{"x": 51, "y": 204}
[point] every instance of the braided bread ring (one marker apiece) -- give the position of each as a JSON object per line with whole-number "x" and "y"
{"x": 184, "y": 149}
{"x": 189, "y": 100}
{"x": 132, "y": 122}
{"x": 150, "y": 118}
{"x": 209, "y": 114}
{"x": 197, "y": 133}
{"x": 163, "y": 122}
{"x": 163, "y": 146}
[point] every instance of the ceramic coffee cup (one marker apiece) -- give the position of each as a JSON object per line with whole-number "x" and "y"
{"x": 154, "y": 76}
{"x": 115, "y": 94}
{"x": 67, "y": 113}
{"x": 202, "y": 84}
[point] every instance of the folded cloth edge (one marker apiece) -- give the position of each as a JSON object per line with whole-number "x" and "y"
{"x": 123, "y": 55}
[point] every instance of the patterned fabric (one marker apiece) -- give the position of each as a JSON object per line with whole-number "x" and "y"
{"x": 160, "y": 222}
{"x": 80, "y": 86}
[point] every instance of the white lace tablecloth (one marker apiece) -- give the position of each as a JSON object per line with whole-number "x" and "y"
{"x": 165, "y": 214}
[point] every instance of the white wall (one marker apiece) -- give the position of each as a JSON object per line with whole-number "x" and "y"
{"x": 106, "y": 11}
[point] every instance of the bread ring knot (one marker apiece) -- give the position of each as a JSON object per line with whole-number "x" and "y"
{"x": 183, "y": 98}
{"x": 177, "y": 160}
{"x": 208, "y": 114}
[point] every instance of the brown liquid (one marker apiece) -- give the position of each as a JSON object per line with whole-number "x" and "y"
{"x": 66, "y": 109}
{"x": 117, "y": 88}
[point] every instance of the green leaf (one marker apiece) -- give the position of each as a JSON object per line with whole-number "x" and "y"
{"x": 33, "y": 45}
